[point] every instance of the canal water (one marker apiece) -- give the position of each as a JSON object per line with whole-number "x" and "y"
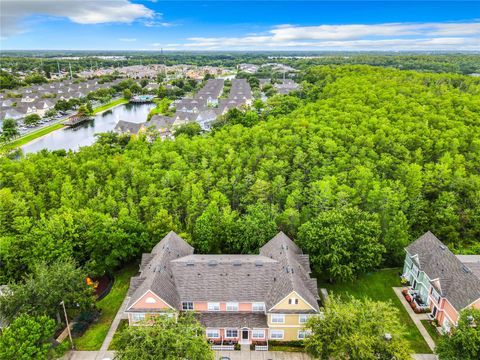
{"x": 84, "y": 134}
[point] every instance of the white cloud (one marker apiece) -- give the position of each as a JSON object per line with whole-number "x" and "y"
{"x": 389, "y": 36}
{"x": 79, "y": 11}
{"x": 127, "y": 39}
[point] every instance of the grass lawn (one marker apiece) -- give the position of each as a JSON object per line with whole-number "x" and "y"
{"x": 93, "y": 338}
{"x": 33, "y": 135}
{"x": 378, "y": 286}
{"x": 109, "y": 105}
{"x": 431, "y": 330}
{"x": 123, "y": 324}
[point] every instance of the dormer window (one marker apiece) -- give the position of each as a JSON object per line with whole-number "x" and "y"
{"x": 293, "y": 301}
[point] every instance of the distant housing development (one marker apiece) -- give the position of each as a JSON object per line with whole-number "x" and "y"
{"x": 238, "y": 298}
{"x": 441, "y": 281}
{"x": 204, "y": 108}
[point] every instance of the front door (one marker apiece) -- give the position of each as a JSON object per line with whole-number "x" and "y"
{"x": 244, "y": 334}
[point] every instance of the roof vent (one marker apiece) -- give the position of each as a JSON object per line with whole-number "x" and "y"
{"x": 157, "y": 268}
{"x": 212, "y": 263}
{"x": 465, "y": 269}
{"x": 258, "y": 263}
{"x": 237, "y": 263}
{"x": 190, "y": 263}
{"x": 442, "y": 247}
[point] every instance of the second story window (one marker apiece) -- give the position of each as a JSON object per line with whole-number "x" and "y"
{"x": 187, "y": 305}
{"x": 278, "y": 319}
{"x": 302, "y": 319}
{"x": 436, "y": 296}
{"x": 213, "y": 306}
{"x": 293, "y": 301}
{"x": 232, "y": 306}
{"x": 258, "y": 306}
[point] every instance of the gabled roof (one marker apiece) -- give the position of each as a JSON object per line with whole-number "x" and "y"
{"x": 451, "y": 278}
{"x": 175, "y": 274}
{"x": 127, "y": 127}
{"x": 293, "y": 273}
{"x": 156, "y": 272}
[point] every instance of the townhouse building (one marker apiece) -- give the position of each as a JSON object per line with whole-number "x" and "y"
{"x": 239, "y": 298}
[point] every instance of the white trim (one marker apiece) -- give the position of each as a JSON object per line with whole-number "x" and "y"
{"x": 213, "y": 303}
{"x": 138, "y": 314}
{"x": 278, "y": 331}
{"x": 307, "y": 333}
{"x": 277, "y": 322}
{"x": 230, "y": 329}
{"x": 306, "y": 302}
{"x": 186, "y": 302}
{"x": 141, "y": 297}
{"x": 232, "y": 303}
{"x": 285, "y": 326}
{"x": 256, "y": 337}
{"x": 212, "y": 337}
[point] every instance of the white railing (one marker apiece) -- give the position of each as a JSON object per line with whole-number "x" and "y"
{"x": 261, "y": 347}
{"x": 223, "y": 347}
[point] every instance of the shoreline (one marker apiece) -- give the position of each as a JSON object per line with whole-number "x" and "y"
{"x": 37, "y": 134}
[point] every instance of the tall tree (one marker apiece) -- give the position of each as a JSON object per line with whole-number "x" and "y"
{"x": 41, "y": 292}
{"x": 357, "y": 330}
{"x": 342, "y": 243}
{"x": 463, "y": 342}
{"x": 168, "y": 338}
{"x": 27, "y": 338}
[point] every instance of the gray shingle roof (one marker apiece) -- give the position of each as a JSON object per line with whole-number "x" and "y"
{"x": 175, "y": 274}
{"x": 234, "y": 320}
{"x": 127, "y": 127}
{"x": 456, "y": 281}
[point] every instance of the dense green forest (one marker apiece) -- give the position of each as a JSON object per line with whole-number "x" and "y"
{"x": 367, "y": 157}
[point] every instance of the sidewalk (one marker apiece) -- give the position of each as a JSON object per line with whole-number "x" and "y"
{"x": 416, "y": 318}
{"x": 108, "y": 339}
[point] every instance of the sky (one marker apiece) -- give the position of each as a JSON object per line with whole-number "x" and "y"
{"x": 239, "y": 25}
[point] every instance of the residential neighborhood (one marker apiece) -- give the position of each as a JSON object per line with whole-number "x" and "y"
{"x": 239, "y": 180}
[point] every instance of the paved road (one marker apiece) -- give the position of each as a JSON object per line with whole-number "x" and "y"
{"x": 416, "y": 318}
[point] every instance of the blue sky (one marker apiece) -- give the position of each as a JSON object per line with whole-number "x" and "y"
{"x": 239, "y": 25}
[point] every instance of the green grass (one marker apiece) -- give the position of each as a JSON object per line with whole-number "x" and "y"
{"x": 93, "y": 338}
{"x": 285, "y": 348}
{"x": 123, "y": 324}
{"x": 109, "y": 105}
{"x": 33, "y": 135}
{"x": 431, "y": 330}
{"x": 378, "y": 286}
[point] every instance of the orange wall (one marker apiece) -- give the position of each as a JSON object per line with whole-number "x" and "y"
{"x": 203, "y": 306}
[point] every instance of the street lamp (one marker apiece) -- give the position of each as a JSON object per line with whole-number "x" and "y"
{"x": 68, "y": 325}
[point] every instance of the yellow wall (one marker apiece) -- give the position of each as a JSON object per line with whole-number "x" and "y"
{"x": 284, "y": 305}
{"x": 290, "y": 319}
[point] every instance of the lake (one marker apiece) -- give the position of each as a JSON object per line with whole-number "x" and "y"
{"x": 84, "y": 134}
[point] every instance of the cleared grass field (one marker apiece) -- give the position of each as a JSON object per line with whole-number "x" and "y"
{"x": 93, "y": 338}
{"x": 110, "y": 105}
{"x": 378, "y": 286}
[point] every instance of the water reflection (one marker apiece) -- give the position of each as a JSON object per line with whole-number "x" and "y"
{"x": 84, "y": 134}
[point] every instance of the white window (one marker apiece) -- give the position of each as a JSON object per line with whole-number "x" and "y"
{"x": 276, "y": 334}
{"x": 436, "y": 296}
{"x": 138, "y": 317}
{"x": 258, "y": 306}
{"x": 302, "y": 334}
{"x": 213, "y": 306}
{"x": 302, "y": 319}
{"x": 258, "y": 334}
{"x": 187, "y": 305}
{"x": 293, "y": 301}
{"x": 278, "y": 318}
{"x": 231, "y": 333}
{"x": 213, "y": 333}
{"x": 150, "y": 300}
{"x": 232, "y": 306}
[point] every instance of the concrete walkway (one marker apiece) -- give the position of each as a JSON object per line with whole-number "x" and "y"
{"x": 416, "y": 318}
{"x": 108, "y": 339}
{"x": 261, "y": 355}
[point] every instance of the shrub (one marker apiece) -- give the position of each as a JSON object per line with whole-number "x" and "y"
{"x": 408, "y": 298}
{"x": 405, "y": 292}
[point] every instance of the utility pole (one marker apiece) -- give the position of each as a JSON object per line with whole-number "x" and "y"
{"x": 68, "y": 325}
